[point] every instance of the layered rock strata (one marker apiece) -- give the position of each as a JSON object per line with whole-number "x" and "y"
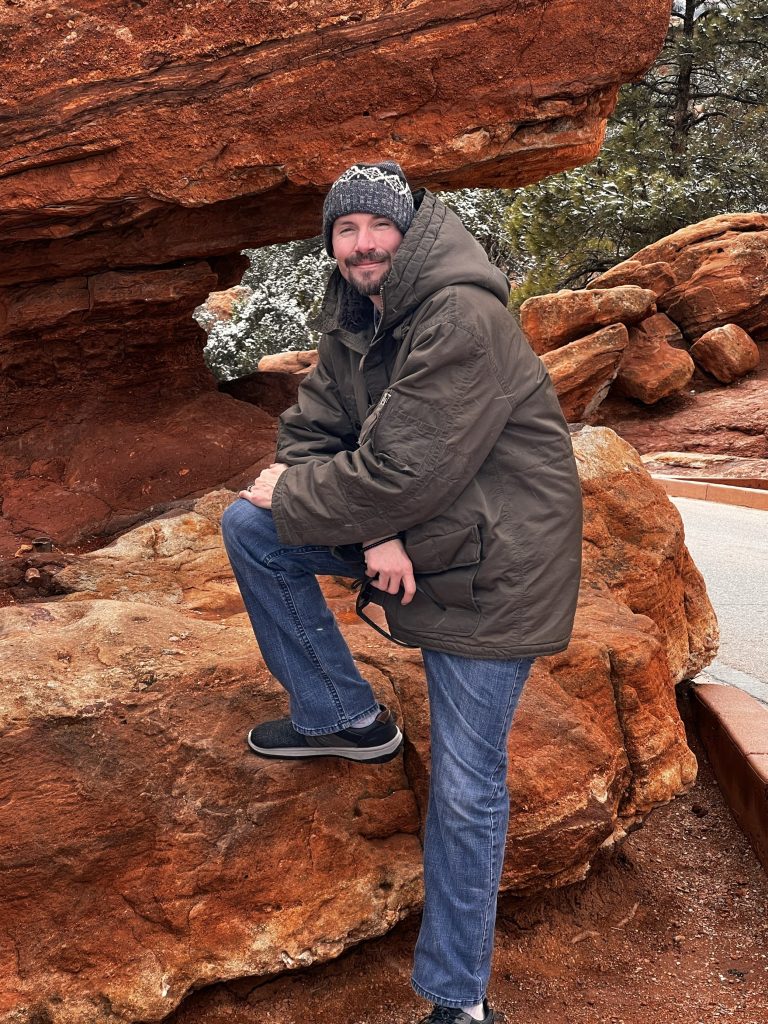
{"x": 178, "y": 858}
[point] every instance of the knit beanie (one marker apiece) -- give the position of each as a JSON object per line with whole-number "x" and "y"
{"x": 369, "y": 188}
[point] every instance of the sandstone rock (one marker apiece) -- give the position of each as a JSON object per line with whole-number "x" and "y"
{"x": 721, "y": 266}
{"x": 729, "y": 420}
{"x": 726, "y": 352}
{"x": 550, "y": 321}
{"x": 146, "y": 849}
{"x": 583, "y": 370}
{"x": 170, "y": 860}
{"x": 176, "y": 560}
{"x": 220, "y": 305}
{"x": 656, "y": 277}
{"x": 98, "y": 459}
{"x": 651, "y": 369}
{"x": 289, "y": 362}
{"x": 718, "y": 469}
{"x": 634, "y": 546}
{"x": 272, "y": 392}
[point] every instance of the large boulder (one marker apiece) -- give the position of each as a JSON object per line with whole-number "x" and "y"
{"x": 582, "y": 371}
{"x": 651, "y": 368}
{"x": 720, "y": 267}
{"x": 149, "y": 852}
{"x": 726, "y": 352}
{"x": 550, "y": 321}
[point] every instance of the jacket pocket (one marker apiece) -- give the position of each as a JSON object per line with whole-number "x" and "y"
{"x": 445, "y": 567}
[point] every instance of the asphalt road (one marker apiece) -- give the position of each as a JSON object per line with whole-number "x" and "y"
{"x": 729, "y": 545}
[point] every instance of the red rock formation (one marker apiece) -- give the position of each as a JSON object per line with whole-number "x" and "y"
{"x": 732, "y": 420}
{"x": 550, "y": 321}
{"x": 289, "y": 362}
{"x": 651, "y": 369}
{"x": 656, "y": 277}
{"x": 144, "y": 145}
{"x": 726, "y": 352}
{"x": 714, "y": 469}
{"x": 583, "y": 370}
{"x": 721, "y": 268}
{"x": 220, "y": 305}
{"x": 170, "y": 864}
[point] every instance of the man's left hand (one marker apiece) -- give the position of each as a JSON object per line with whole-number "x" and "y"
{"x": 260, "y": 491}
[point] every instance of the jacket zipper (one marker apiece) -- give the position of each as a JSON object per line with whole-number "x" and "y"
{"x": 367, "y": 434}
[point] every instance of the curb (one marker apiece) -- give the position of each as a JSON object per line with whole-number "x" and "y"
{"x": 733, "y": 726}
{"x": 724, "y": 494}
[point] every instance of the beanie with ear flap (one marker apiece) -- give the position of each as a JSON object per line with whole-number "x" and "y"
{"x": 379, "y": 189}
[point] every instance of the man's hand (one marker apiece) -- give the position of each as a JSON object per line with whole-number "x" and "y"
{"x": 392, "y": 568}
{"x": 260, "y": 491}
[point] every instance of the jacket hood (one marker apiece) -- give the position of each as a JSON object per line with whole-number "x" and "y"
{"x": 436, "y": 252}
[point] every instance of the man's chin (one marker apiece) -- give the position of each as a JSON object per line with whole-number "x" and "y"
{"x": 368, "y": 283}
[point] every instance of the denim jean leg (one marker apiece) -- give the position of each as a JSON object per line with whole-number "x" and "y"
{"x": 298, "y": 636}
{"x": 472, "y": 704}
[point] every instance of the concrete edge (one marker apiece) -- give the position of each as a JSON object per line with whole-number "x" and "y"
{"x": 733, "y": 728}
{"x": 724, "y": 494}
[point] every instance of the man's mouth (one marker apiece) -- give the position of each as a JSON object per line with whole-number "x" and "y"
{"x": 366, "y": 264}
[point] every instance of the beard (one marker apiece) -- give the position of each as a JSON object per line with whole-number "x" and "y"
{"x": 369, "y": 282}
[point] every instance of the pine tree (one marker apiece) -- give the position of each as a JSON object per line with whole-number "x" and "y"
{"x": 688, "y": 142}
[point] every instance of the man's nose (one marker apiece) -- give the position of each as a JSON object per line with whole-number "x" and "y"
{"x": 364, "y": 240}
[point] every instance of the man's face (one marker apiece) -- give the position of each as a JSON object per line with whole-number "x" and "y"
{"x": 363, "y": 245}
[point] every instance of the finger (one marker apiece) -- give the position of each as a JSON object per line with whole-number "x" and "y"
{"x": 394, "y": 584}
{"x": 409, "y": 586}
{"x": 381, "y": 582}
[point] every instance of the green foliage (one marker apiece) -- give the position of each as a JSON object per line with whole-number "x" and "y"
{"x": 688, "y": 142}
{"x": 288, "y": 283}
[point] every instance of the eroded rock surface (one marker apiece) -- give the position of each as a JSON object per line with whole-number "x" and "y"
{"x": 171, "y": 860}
{"x": 726, "y": 352}
{"x": 550, "y": 321}
{"x": 582, "y": 371}
{"x": 651, "y": 368}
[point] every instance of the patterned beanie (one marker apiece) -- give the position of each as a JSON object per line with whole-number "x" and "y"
{"x": 369, "y": 188}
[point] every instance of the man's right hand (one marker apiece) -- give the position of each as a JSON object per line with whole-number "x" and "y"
{"x": 392, "y": 569}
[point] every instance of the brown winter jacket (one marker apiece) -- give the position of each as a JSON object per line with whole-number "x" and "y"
{"x": 442, "y": 425}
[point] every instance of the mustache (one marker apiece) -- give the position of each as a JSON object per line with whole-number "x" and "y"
{"x": 372, "y": 256}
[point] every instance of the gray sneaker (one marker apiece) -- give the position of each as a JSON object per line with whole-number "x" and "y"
{"x": 447, "y": 1015}
{"x": 375, "y": 743}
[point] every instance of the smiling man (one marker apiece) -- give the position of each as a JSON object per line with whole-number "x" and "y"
{"x": 427, "y": 455}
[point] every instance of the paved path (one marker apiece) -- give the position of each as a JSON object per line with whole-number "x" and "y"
{"x": 729, "y": 544}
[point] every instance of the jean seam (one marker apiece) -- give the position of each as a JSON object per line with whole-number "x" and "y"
{"x": 454, "y": 1004}
{"x": 513, "y": 694}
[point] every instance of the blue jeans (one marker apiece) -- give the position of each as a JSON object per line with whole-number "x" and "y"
{"x": 472, "y": 703}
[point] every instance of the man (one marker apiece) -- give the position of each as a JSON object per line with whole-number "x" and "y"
{"x": 427, "y": 454}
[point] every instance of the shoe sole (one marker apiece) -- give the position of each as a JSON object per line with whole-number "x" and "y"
{"x": 370, "y": 755}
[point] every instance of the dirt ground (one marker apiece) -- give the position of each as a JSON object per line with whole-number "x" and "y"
{"x": 671, "y": 928}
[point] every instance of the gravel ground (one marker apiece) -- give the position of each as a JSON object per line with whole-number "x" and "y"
{"x": 671, "y": 928}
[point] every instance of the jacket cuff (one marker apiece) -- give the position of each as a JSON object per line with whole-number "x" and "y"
{"x": 282, "y": 526}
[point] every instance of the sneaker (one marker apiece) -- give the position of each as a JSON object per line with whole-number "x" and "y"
{"x": 375, "y": 743}
{"x": 449, "y": 1015}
